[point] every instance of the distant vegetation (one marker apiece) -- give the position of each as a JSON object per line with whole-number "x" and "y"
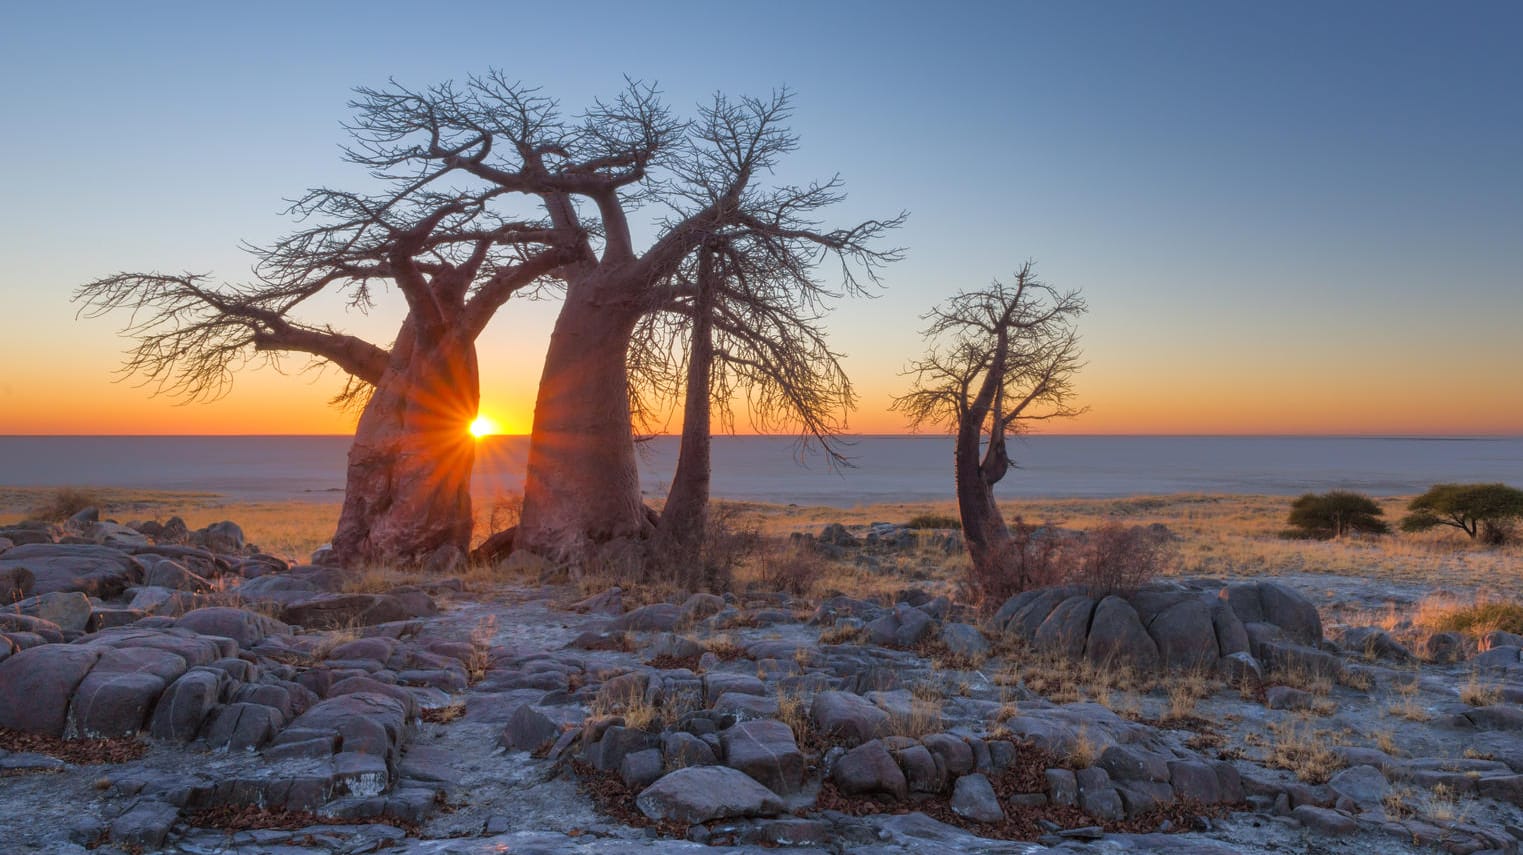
{"x": 923, "y": 521}
{"x": 65, "y": 502}
{"x": 1321, "y": 516}
{"x": 1481, "y": 618}
{"x": 1483, "y": 511}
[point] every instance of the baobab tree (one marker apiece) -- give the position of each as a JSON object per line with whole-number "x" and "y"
{"x": 455, "y": 263}
{"x": 1000, "y": 359}
{"x": 743, "y": 327}
{"x": 590, "y": 174}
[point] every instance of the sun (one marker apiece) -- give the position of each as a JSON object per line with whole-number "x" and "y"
{"x": 483, "y": 426}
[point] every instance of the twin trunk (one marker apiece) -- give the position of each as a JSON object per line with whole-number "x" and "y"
{"x": 408, "y": 489}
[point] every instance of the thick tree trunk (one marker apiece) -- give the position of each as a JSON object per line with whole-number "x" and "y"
{"x": 582, "y": 484}
{"x": 685, "y": 516}
{"x": 408, "y": 489}
{"x": 983, "y": 526}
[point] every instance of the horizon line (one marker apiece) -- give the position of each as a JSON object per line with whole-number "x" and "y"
{"x": 849, "y": 436}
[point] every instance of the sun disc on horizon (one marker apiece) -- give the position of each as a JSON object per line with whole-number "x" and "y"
{"x": 483, "y": 426}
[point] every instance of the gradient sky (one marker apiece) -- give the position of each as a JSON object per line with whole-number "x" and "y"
{"x": 1286, "y": 217}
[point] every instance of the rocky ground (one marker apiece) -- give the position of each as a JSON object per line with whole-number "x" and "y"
{"x": 169, "y": 690}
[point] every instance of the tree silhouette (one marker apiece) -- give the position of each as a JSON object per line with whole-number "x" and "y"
{"x": 1000, "y": 358}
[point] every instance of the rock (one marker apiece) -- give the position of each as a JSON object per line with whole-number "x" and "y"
{"x": 912, "y": 626}
{"x": 1273, "y": 603}
{"x": 107, "y": 618}
{"x": 680, "y": 749}
{"x": 766, "y": 751}
{"x": 1325, "y": 820}
{"x": 120, "y": 691}
{"x": 98, "y": 571}
{"x": 245, "y": 627}
{"x": 618, "y": 742}
{"x": 640, "y": 769}
{"x": 1297, "y": 659}
{"x": 850, "y": 719}
{"x": 1024, "y": 612}
{"x": 242, "y": 726}
{"x": 1195, "y": 781}
{"x": 922, "y": 772}
{"x": 869, "y": 769}
{"x": 70, "y": 611}
{"x": 1116, "y": 636}
{"x": 1066, "y": 628}
{"x": 144, "y": 825}
{"x": 955, "y": 754}
{"x": 1062, "y": 787}
{"x": 1365, "y": 785}
{"x": 337, "y": 611}
{"x": 1447, "y": 648}
{"x": 1096, "y": 795}
{"x": 1186, "y": 635}
{"x": 1287, "y": 698}
{"x": 1495, "y": 717}
{"x": 674, "y": 646}
{"x": 1240, "y": 671}
{"x": 700, "y": 606}
{"x": 1375, "y": 643}
{"x": 171, "y": 574}
{"x": 973, "y": 798}
{"x": 224, "y": 537}
{"x": 1130, "y": 763}
{"x": 836, "y": 534}
{"x": 37, "y": 683}
{"x": 657, "y": 617}
{"x": 184, "y": 706}
{"x": 610, "y": 602}
{"x": 699, "y": 794}
{"x": 965, "y": 641}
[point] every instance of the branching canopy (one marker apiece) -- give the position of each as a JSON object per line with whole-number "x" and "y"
{"x": 1000, "y": 358}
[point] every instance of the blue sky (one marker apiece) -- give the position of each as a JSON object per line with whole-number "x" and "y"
{"x": 1288, "y": 217}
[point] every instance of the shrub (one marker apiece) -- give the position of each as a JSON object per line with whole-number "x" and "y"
{"x": 65, "y": 502}
{"x": 1115, "y": 558}
{"x": 1486, "y": 510}
{"x": 934, "y": 521}
{"x": 1335, "y": 514}
{"x": 1478, "y": 618}
{"x": 1030, "y": 560}
{"x": 792, "y": 565}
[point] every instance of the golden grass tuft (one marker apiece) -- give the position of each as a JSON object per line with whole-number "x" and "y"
{"x": 1303, "y": 750}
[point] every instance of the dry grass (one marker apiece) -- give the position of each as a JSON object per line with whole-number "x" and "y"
{"x": 1085, "y": 751}
{"x": 1305, "y": 751}
{"x": 1408, "y": 704}
{"x": 1479, "y": 692}
{"x": 926, "y": 703}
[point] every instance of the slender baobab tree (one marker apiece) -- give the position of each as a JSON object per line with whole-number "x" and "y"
{"x": 744, "y": 333}
{"x": 705, "y": 178}
{"x": 455, "y": 263}
{"x": 1000, "y": 358}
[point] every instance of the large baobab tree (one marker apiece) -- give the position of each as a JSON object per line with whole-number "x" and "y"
{"x": 455, "y": 263}
{"x": 590, "y": 174}
{"x": 1000, "y": 358}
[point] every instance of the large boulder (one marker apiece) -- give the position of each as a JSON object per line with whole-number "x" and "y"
{"x": 184, "y": 706}
{"x": 1273, "y": 603}
{"x": 70, "y": 611}
{"x": 115, "y": 698}
{"x": 1185, "y": 635}
{"x": 1066, "y": 627}
{"x": 99, "y": 571}
{"x": 1116, "y": 635}
{"x": 245, "y": 627}
{"x": 869, "y": 769}
{"x": 848, "y": 718}
{"x": 697, "y": 794}
{"x": 765, "y": 750}
{"x": 37, "y": 683}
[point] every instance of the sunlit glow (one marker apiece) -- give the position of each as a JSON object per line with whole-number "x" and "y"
{"x": 484, "y": 426}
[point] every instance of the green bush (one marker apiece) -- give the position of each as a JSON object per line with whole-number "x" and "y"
{"x": 1335, "y": 514}
{"x": 934, "y": 521}
{"x": 1486, "y": 510}
{"x": 1481, "y": 618}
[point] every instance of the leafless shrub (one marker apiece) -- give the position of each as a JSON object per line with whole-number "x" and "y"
{"x": 1115, "y": 558}
{"x": 65, "y": 502}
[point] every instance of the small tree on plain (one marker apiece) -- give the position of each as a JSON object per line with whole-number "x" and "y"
{"x": 1335, "y": 514}
{"x": 1484, "y": 510}
{"x": 1001, "y": 358}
